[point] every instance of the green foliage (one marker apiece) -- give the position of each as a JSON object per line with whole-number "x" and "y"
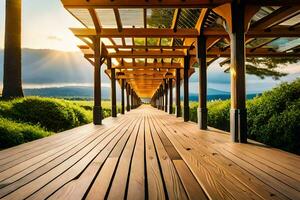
{"x": 273, "y": 118}
{"x": 266, "y": 66}
{"x": 51, "y": 114}
{"x": 13, "y": 133}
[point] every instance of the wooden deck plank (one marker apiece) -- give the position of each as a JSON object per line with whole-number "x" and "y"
{"x": 97, "y": 153}
{"x": 215, "y": 156}
{"x": 154, "y": 178}
{"x": 172, "y": 181}
{"x": 137, "y": 180}
{"x": 65, "y": 162}
{"x": 147, "y": 154}
{"x": 119, "y": 183}
{"x": 77, "y": 188}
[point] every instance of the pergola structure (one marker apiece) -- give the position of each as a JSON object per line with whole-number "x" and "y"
{"x": 148, "y": 60}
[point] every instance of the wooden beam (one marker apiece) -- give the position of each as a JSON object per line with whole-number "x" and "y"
{"x": 118, "y": 19}
{"x": 201, "y": 20}
{"x": 136, "y": 32}
{"x": 278, "y": 16}
{"x": 149, "y": 66}
{"x": 95, "y": 20}
{"x": 146, "y": 47}
{"x": 275, "y": 32}
{"x": 175, "y": 19}
{"x": 147, "y": 54}
{"x": 143, "y": 4}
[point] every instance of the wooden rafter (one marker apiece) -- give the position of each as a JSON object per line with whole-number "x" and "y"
{"x": 278, "y": 16}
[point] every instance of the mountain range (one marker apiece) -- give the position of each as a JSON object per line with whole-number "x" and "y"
{"x": 51, "y": 67}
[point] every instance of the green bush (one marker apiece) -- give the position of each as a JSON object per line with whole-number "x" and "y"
{"x": 12, "y": 133}
{"x": 52, "y": 114}
{"x": 273, "y": 118}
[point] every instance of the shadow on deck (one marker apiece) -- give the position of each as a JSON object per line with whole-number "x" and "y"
{"x": 146, "y": 154}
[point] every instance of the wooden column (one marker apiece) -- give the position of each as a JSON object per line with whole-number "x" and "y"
{"x": 122, "y": 96}
{"x": 170, "y": 96}
{"x": 178, "y": 105}
{"x": 161, "y": 98}
{"x": 166, "y": 94}
{"x": 186, "y": 107}
{"x": 113, "y": 89}
{"x": 97, "y": 110}
{"x": 202, "y": 108}
{"x": 238, "y": 113}
{"x": 131, "y": 98}
{"x": 127, "y": 97}
{"x": 238, "y": 17}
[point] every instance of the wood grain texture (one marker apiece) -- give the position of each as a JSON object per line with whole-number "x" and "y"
{"x": 147, "y": 154}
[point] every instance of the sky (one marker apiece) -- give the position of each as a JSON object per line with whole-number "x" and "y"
{"x": 45, "y": 25}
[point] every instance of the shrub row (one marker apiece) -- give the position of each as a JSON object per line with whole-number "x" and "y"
{"x": 13, "y": 133}
{"x": 273, "y": 118}
{"x": 51, "y": 114}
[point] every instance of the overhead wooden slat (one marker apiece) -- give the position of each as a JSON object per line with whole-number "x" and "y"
{"x": 143, "y": 4}
{"x": 137, "y": 32}
{"x": 165, "y": 3}
{"x": 275, "y": 32}
{"x": 118, "y": 19}
{"x": 278, "y": 16}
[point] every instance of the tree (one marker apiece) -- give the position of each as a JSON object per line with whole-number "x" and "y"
{"x": 266, "y": 66}
{"x": 12, "y": 81}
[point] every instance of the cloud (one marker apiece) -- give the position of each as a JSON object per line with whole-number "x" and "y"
{"x": 53, "y": 37}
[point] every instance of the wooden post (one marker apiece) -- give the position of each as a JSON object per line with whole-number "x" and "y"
{"x": 166, "y": 94}
{"x": 113, "y": 89}
{"x": 238, "y": 112}
{"x": 161, "y": 94}
{"x": 97, "y": 110}
{"x": 178, "y": 105}
{"x": 131, "y": 98}
{"x": 202, "y": 108}
{"x": 186, "y": 108}
{"x": 127, "y": 97}
{"x": 122, "y": 97}
{"x": 238, "y": 17}
{"x": 170, "y": 96}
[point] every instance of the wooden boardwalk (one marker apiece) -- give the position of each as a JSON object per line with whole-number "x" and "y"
{"x": 146, "y": 154}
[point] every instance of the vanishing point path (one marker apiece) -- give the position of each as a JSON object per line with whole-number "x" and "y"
{"x": 147, "y": 154}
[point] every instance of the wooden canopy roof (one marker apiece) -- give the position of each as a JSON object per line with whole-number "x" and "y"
{"x": 145, "y": 53}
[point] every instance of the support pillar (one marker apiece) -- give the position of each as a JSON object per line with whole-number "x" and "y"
{"x": 170, "y": 96}
{"x": 202, "y": 108}
{"x": 166, "y": 94}
{"x": 161, "y": 98}
{"x": 238, "y": 112}
{"x": 97, "y": 110}
{"x": 186, "y": 107}
{"x": 238, "y": 17}
{"x": 128, "y": 97}
{"x": 131, "y": 99}
{"x": 122, "y": 96}
{"x": 113, "y": 89}
{"x": 178, "y": 105}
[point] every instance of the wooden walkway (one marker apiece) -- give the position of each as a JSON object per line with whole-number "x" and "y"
{"x": 146, "y": 154}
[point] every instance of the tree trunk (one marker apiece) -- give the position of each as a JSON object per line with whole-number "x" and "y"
{"x": 12, "y": 81}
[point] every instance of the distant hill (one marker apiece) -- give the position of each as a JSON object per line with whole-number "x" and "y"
{"x": 87, "y": 93}
{"x": 50, "y": 66}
